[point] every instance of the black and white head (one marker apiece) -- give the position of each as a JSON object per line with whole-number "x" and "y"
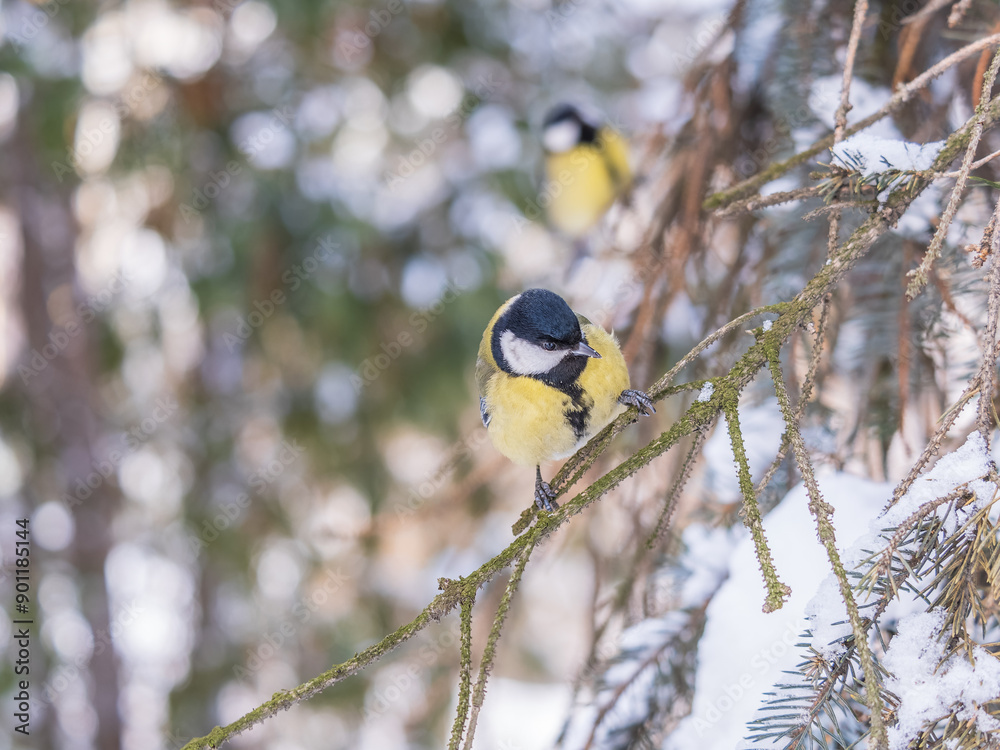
{"x": 538, "y": 335}
{"x": 565, "y": 128}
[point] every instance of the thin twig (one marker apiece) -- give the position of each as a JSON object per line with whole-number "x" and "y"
{"x": 840, "y": 119}
{"x": 819, "y": 341}
{"x": 757, "y": 202}
{"x": 934, "y": 444}
{"x": 975, "y": 165}
{"x": 667, "y": 378}
{"x": 768, "y": 475}
{"x": 683, "y": 475}
{"x": 984, "y": 413}
{"x": 918, "y": 277}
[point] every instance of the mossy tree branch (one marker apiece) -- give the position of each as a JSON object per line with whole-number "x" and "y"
{"x": 777, "y": 591}
{"x": 465, "y": 675}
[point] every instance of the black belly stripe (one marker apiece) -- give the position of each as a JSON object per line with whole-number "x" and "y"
{"x": 579, "y": 412}
{"x": 564, "y": 377}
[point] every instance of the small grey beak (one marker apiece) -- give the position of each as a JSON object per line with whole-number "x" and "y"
{"x": 583, "y": 350}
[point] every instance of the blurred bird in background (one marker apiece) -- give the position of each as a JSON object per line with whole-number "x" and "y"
{"x": 586, "y": 168}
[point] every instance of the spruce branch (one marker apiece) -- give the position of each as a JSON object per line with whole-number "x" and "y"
{"x": 752, "y": 185}
{"x": 956, "y": 563}
{"x": 884, "y": 568}
{"x": 798, "y": 711}
{"x": 960, "y": 557}
{"x": 684, "y": 627}
{"x": 947, "y": 554}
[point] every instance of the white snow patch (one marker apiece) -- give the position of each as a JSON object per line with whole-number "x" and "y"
{"x": 871, "y": 155}
{"x": 824, "y": 100}
{"x": 929, "y": 687}
{"x": 768, "y": 324}
{"x": 706, "y": 556}
{"x": 521, "y": 714}
{"x": 706, "y": 392}
{"x": 916, "y": 222}
{"x": 961, "y": 466}
{"x": 707, "y": 552}
{"x": 743, "y": 651}
{"x": 964, "y": 465}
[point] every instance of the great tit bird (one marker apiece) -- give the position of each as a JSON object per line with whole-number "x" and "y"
{"x": 549, "y": 380}
{"x": 586, "y": 168}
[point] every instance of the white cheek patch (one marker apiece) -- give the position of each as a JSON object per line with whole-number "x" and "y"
{"x": 561, "y": 136}
{"x": 525, "y": 358}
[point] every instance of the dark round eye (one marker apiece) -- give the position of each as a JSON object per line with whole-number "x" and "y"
{"x": 548, "y": 346}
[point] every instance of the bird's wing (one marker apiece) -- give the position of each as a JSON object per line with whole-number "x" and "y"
{"x": 484, "y": 413}
{"x": 485, "y": 370}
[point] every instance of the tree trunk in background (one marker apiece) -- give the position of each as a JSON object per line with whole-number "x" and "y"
{"x": 60, "y": 406}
